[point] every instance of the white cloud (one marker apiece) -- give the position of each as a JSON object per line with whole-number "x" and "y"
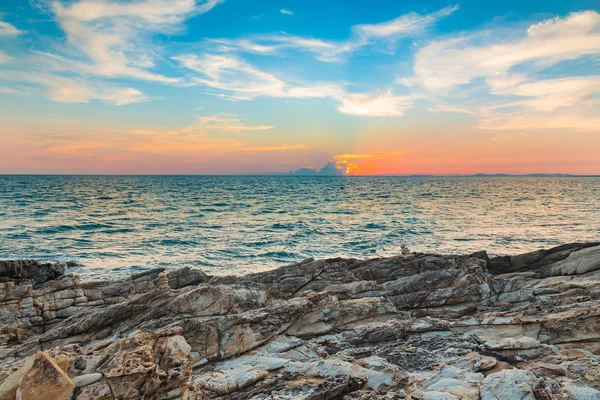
{"x": 244, "y": 81}
{"x": 522, "y": 100}
{"x": 232, "y": 74}
{"x": 68, "y": 90}
{"x": 7, "y": 29}
{"x": 114, "y": 39}
{"x": 408, "y": 25}
{"x": 286, "y": 12}
{"x": 548, "y": 95}
{"x": 544, "y": 104}
{"x": 405, "y": 25}
{"x": 5, "y": 58}
{"x": 375, "y": 105}
{"x": 452, "y": 109}
{"x": 451, "y": 62}
{"x": 229, "y": 123}
{"x": 578, "y": 120}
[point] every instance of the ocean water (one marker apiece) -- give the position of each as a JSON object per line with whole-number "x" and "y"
{"x": 117, "y": 225}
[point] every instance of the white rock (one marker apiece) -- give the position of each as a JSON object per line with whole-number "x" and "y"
{"x": 333, "y": 367}
{"x": 223, "y": 382}
{"x": 509, "y": 384}
{"x": 84, "y": 380}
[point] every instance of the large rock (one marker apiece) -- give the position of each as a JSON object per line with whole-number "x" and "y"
{"x": 32, "y": 270}
{"x": 45, "y": 380}
{"x": 415, "y": 326}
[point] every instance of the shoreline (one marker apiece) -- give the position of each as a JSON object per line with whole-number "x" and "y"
{"x": 414, "y": 326}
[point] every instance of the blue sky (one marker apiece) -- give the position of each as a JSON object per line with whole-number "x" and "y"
{"x": 184, "y": 86}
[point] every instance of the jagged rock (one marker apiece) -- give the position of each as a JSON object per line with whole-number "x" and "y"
{"x": 30, "y": 270}
{"x": 415, "y": 326}
{"x": 508, "y": 385}
{"x": 44, "y": 379}
{"x": 535, "y": 260}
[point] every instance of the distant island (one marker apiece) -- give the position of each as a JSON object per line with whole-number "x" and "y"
{"x": 331, "y": 169}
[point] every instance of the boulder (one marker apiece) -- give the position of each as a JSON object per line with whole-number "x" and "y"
{"x": 46, "y": 380}
{"x": 30, "y": 270}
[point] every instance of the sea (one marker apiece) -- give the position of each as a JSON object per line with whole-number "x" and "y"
{"x": 113, "y": 226}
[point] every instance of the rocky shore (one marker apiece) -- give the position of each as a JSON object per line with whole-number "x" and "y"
{"x": 415, "y": 326}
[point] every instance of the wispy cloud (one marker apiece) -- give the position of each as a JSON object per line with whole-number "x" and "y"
{"x": 452, "y": 109}
{"x": 286, "y": 12}
{"x": 405, "y": 26}
{"x": 244, "y": 81}
{"x": 104, "y": 38}
{"x": 113, "y": 38}
{"x": 527, "y": 99}
{"x": 7, "y": 29}
{"x": 229, "y": 123}
{"x": 5, "y": 58}
{"x": 70, "y": 90}
{"x": 456, "y": 61}
{"x": 376, "y": 105}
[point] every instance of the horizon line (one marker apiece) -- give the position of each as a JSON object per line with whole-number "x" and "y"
{"x": 475, "y": 175}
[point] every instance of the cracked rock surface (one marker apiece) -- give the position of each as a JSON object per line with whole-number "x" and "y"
{"x": 416, "y": 326}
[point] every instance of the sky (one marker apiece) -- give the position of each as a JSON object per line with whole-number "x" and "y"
{"x": 272, "y": 86}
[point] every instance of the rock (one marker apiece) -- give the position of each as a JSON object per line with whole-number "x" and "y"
{"x": 508, "y": 385}
{"x": 32, "y": 270}
{"x": 232, "y": 380}
{"x": 576, "y": 263}
{"x": 45, "y": 379}
{"x": 415, "y": 326}
{"x": 96, "y": 391}
{"x": 535, "y": 260}
{"x": 84, "y": 380}
{"x": 8, "y": 388}
{"x": 332, "y": 368}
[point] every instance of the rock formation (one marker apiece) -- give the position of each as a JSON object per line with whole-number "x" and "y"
{"x": 415, "y": 326}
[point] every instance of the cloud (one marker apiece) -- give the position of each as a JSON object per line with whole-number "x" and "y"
{"x": 5, "y": 58}
{"x": 113, "y": 39}
{"x": 286, "y": 12}
{"x": 68, "y": 90}
{"x": 232, "y": 74}
{"x": 229, "y": 123}
{"x": 452, "y": 109}
{"x": 375, "y": 105}
{"x": 356, "y": 156}
{"x": 7, "y": 29}
{"x": 7, "y": 90}
{"x": 408, "y": 25}
{"x": 405, "y": 25}
{"x": 513, "y": 66}
{"x": 459, "y": 60}
{"x": 549, "y": 94}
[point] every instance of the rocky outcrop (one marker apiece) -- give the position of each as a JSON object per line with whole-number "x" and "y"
{"x": 25, "y": 271}
{"x": 415, "y": 326}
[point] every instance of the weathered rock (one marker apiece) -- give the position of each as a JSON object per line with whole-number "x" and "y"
{"x": 415, "y": 326}
{"x": 84, "y": 380}
{"x": 30, "y": 270}
{"x": 46, "y": 380}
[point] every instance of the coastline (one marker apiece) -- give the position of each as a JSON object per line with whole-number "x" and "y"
{"x": 414, "y": 326}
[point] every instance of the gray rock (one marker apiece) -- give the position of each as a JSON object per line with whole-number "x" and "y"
{"x": 415, "y": 326}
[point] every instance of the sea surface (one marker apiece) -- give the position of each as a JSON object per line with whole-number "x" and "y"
{"x": 117, "y": 225}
